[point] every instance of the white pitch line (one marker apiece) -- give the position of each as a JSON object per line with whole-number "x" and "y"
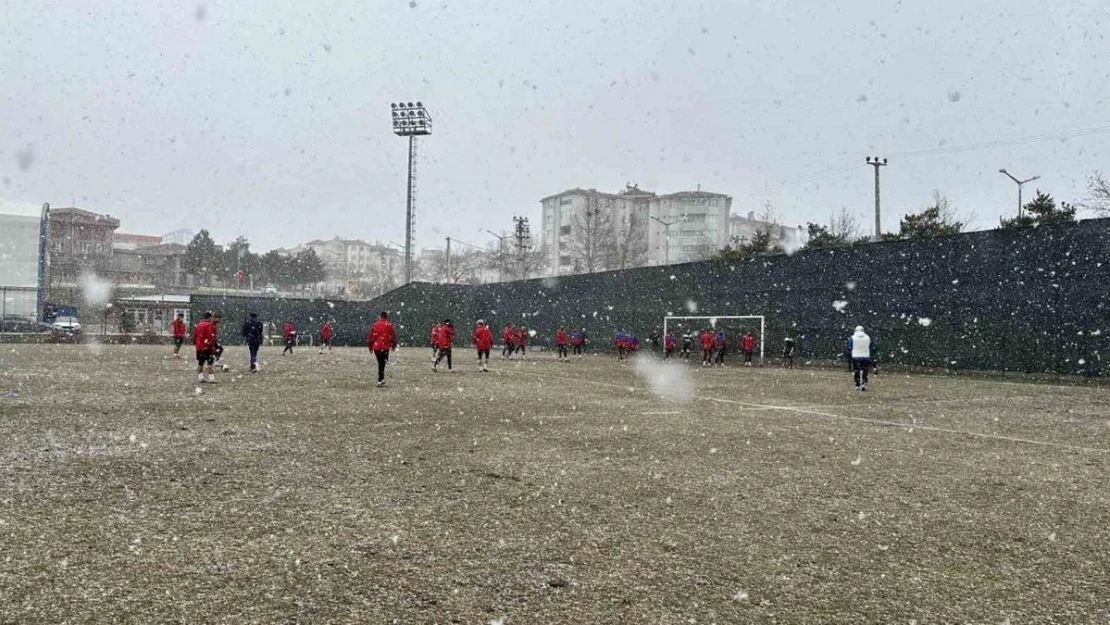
{"x": 829, "y": 415}
{"x": 660, "y": 413}
{"x": 915, "y": 426}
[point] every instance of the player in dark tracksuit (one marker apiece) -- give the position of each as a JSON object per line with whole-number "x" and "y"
{"x": 252, "y": 332}
{"x": 577, "y": 341}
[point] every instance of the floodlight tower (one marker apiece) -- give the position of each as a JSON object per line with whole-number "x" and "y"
{"x": 410, "y": 120}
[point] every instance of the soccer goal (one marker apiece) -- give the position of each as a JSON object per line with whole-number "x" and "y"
{"x": 734, "y": 323}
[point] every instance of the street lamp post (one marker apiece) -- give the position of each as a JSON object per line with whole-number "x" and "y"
{"x": 500, "y": 255}
{"x": 1019, "y": 183}
{"x": 410, "y": 120}
{"x": 667, "y": 237}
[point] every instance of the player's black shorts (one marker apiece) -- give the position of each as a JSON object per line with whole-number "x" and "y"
{"x": 178, "y": 341}
{"x": 483, "y": 353}
{"x": 205, "y": 357}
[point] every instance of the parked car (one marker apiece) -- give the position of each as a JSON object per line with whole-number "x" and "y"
{"x": 23, "y": 325}
{"x": 67, "y": 324}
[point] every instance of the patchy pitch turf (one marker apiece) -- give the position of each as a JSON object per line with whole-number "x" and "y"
{"x": 541, "y": 493}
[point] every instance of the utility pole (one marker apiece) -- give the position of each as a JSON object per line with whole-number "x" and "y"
{"x": 1020, "y": 183}
{"x": 877, "y": 162}
{"x": 523, "y": 235}
{"x": 448, "y": 260}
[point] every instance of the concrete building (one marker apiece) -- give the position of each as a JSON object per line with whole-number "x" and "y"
{"x": 125, "y": 241}
{"x": 743, "y": 228}
{"x": 183, "y": 236}
{"x": 355, "y": 267}
{"x": 80, "y": 243}
{"x": 23, "y": 232}
{"x": 699, "y": 226}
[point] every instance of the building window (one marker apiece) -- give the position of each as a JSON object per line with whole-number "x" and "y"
{"x": 564, "y": 230}
{"x": 564, "y": 201}
{"x": 564, "y": 261}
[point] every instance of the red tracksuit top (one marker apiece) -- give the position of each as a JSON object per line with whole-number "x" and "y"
{"x": 482, "y": 337}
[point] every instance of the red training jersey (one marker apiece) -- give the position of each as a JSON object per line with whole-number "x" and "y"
{"x": 482, "y": 337}
{"x": 179, "y": 327}
{"x": 289, "y": 331}
{"x": 560, "y": 337}
{"x": 204, "y": 335}
{"x": 446, "y": 337}
{"x": 509, "y": 336}
{"x": 326, "y": 331}
{"x": 747, "y": 343}
{"x": 382, "y": 337}
{"x": 707, "y": 340}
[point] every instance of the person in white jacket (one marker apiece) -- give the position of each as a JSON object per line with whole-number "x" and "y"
{"x": 859, "y": 350}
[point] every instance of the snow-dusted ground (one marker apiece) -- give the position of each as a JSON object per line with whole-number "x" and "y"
{"x": 541, "y": 492}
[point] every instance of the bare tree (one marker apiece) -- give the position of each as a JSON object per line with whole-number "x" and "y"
{"x": 1099, "y": 188}
{"x": 466, "y": 266}
{"x": 524, "y": 263}
{"x": 630, "y": 245}
{"x": 844, "y": 225}
{"x": 591, "y": 238}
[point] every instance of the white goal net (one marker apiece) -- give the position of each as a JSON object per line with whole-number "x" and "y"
{"x": 733, "y": 325}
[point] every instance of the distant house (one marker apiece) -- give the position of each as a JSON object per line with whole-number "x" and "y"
{"x": 742, "y": 229}
{"x": 125, "y": 241}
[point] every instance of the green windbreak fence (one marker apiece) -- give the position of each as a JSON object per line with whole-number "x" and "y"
{"x": 1028, "y": 299}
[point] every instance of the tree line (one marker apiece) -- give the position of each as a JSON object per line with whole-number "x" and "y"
{"x": 939, "y": 218}
{"x": 236, "y": 264}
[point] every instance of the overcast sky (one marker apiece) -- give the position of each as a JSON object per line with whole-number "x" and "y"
{"x": 270, "y": 118}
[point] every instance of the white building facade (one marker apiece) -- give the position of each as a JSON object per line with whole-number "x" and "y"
{"x": 698, "y": 225}
{"x": 355, "y": 267}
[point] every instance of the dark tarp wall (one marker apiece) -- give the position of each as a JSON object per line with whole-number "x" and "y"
{"x": 1028, "y": 299}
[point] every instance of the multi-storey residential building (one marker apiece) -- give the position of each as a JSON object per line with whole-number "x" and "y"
{"x": 355, "y": 267}
{"x": 646, "y": 229}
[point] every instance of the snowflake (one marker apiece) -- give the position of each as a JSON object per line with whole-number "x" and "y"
{"x": 840, "y": 305}
{"x": 741, "y": 595}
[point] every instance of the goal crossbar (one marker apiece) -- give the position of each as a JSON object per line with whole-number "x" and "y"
{"x": 715, "y": 319}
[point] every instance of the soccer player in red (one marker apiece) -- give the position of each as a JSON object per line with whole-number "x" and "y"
{"x": 325, "y": 335}
{"x": 445, "y": 341}
{"x": 483, "y": 342}
{"x": 179, "y": 331}
{"x": 561, "y": 344}
{"x": 204, "y": 339}
{"x": 289, "y": 331}
{"x": 747, "y": 345}
{"x": 668, "y": 345}
{"x": 434, "y": 339}
{"x": 508, "y": 335}
{"x": 707, "y": 343}
{"x": 521, "y": 340}
{"x": 381, "y": 340}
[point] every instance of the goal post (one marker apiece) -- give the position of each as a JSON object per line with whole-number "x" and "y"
{"x": 737, "y": 322}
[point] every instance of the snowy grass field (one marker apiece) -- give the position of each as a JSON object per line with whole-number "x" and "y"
{"x": 541, "y": 493}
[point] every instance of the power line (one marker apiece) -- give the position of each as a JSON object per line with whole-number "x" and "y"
{"x": 1000, "y": 143}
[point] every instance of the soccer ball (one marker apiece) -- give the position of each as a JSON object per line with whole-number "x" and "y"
{"x": 225, "y": 368}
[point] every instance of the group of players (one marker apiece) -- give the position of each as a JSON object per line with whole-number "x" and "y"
{"x": 382, "y": 340}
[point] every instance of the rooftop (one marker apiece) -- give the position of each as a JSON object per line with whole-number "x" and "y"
{"x": 21, "y": 209}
